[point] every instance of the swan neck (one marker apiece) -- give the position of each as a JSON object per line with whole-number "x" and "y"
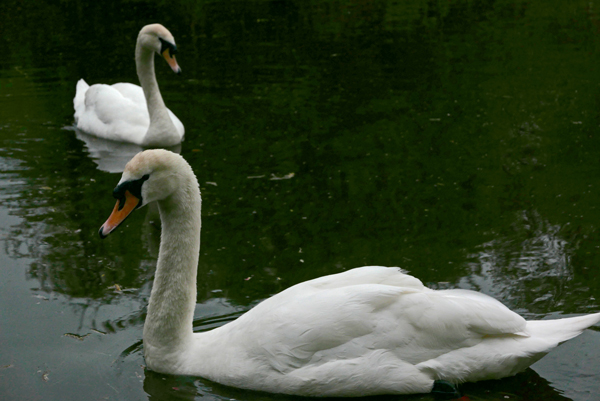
{"x": 168, "y": 326}
{"x": 160, "y": 121}
{"x": 144, "y": 61}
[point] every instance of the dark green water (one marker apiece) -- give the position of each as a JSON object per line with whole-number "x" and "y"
{"x": 458, "y": 140}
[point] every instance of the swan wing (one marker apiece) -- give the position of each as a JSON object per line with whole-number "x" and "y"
{"x": 133, "y": 93}
{"x": 392, "y": 276}
{"x": 482, "y": 313}
{"x": 341, "y": 338}
{"x": 109, "y": 111}
{"x": 329, "y": 322}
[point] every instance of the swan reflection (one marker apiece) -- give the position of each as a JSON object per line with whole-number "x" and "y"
{"x": 111, "y": 156}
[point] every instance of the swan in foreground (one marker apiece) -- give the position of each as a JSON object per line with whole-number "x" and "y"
{"x": 367, "y": 331}
{"x": 125, "y": 112}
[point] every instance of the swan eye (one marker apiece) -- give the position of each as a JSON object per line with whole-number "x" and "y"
{"x": 134, "y": 187}
{"x": 165, "y": 45}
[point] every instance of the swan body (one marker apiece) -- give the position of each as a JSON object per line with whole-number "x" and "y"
{"x": 125, "y": 112}
{"x": 367, "y": 331}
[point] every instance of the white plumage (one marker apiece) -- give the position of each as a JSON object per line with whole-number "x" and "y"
{"x": 370, "y": 330}
{"x": 125, "y": 112}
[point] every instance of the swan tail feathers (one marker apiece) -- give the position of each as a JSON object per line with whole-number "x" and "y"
{"x": 560, "y": 330}
{"x": 79, "y": 100}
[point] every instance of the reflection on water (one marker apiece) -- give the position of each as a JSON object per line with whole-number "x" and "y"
{"x": 456, "y": 140}
{"x": 108, "y": 155}
{"x": 531, "y": 269}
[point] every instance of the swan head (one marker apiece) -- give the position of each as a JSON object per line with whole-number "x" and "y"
{"x": 151, "y": 175}
{"x": 158, "y": 39}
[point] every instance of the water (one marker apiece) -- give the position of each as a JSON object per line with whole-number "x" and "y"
{"x": 457, "y": 140}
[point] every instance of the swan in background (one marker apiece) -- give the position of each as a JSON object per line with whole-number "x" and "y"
{"x": 125, "y": 112}
{"x": 367, "y": 331}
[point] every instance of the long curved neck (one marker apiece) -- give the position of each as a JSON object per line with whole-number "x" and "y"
{"x": 168, "y": 326}
{"x": 160, "y": 121}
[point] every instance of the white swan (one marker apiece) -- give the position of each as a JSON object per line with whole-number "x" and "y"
{"x": 366, "y": 331}
{"x": 125, "y": 112}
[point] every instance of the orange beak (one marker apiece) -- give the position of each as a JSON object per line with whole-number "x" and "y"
{"x": 120, "y": 212}
{"x": 171, "y": 61}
